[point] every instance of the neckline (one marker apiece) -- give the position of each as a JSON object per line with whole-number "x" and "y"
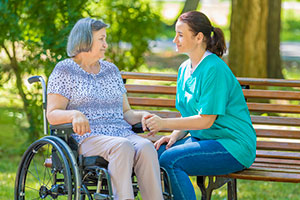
{"x": 197, "y": 66}
{"x": 88, "y": 73}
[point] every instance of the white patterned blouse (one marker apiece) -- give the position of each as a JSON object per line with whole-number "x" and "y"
{"x": 98, "y": 96}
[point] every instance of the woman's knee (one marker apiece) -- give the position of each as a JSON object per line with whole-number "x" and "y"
{"x": 147, "y": 150}
{"x": 166, "y": 159}
{"x": 125, "y": 148}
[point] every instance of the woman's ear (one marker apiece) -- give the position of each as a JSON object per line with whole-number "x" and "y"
{"x": 200, "y": 37}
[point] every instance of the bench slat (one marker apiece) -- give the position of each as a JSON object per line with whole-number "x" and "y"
{"x": 151, "y": 89}
{"x": 275, "y": 166}
{"x": 272, "y": 133}
{"x": 271, "y": 169}
{"x": 252, "y": 174}
{"x": 264, "y": 107}
{"x": 269, "y": 82}
{"x": 271, "y": 94}
{"x": 271, "y": 120}
{"x": 149, "y": 76}
{"x": 148, "y": 102}
{"x": 277, "y": 154}
{"x": 278, "y": 161}
{"x": 242, "y": 80}
{"x": 284, "y": 146}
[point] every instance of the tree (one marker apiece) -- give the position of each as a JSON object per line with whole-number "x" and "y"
{"x": 189, "y": 5}
{"x": 248, "y": 44}
{"x": 254, "y": 40}
{"x": 132, "y": 24}
{"x": 33, "y": 37}
{"x": 274, "y": 69}
{"x": 34, "y": 33}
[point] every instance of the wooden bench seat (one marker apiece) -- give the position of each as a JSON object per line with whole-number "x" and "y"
{"x": 274, "y": 105}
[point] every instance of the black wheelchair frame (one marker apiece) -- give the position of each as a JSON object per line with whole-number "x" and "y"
{"x": 51, "y": 167}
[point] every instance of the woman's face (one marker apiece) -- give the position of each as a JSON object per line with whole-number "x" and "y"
{"x": 185, "y": 40}
{"x": 99, "y": 43}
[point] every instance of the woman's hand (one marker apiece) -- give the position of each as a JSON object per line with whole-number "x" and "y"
{"x": 154, "y": 123}
{"x": 80, "y": 123}
{"x": 143, "y": 121}
{"x": 170, "y": 140}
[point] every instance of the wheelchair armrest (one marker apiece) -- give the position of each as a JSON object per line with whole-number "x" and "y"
{"x": 137, "y": 128}
{"x": 61, "y": 126}
{"x": 61, "y": 129}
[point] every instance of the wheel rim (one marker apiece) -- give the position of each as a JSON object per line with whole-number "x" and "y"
{"x": 35, "y": 181}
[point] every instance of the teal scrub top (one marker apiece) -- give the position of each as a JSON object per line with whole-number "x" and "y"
{"x": 212, "y": 89}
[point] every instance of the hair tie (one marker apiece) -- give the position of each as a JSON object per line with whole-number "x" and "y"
{"x": 212, "y": 28}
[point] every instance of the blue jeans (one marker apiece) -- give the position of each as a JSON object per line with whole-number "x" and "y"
{"x": 192, "y": 157}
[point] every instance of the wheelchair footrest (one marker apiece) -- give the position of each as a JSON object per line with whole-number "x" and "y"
{"x": 99, "y": 196}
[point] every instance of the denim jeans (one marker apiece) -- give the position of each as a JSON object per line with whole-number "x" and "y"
{"x": 190, "y": 157}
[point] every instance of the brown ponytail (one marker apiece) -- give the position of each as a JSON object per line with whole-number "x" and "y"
{"x": 216, "y": 44}
{"x": 198, "y": 22}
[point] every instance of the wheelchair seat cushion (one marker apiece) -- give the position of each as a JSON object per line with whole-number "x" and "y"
{"x": 95, "y": 160}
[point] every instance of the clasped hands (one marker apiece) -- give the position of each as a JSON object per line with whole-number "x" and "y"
{"x": 152, "y": 123}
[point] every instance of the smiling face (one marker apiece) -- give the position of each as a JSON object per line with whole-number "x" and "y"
{"x": 186, "y": 41}
{"x": 99, "y": 44}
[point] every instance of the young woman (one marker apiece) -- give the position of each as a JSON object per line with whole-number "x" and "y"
{"x": 89, "y": 93}
{"x": 213, "y": 108}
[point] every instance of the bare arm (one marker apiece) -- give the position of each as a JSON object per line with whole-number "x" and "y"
{"x": 57, "y": 114}
{"x": 196, "y": 122}
{"x": 133, "y": 116}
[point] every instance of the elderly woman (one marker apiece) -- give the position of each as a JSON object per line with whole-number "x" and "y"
{"x": 89, "y": 93}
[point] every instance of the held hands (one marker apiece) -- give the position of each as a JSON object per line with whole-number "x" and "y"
{"x": 80, "y": 123}
{"x": 152, "y": 123}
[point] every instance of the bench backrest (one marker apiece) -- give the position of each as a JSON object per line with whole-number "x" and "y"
{"x": 274, "y": 105}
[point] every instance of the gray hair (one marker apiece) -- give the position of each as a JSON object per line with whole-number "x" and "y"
{"x": 81, "y": 35}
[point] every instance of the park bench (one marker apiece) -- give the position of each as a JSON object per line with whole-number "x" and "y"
{"x": 274, "y": 105}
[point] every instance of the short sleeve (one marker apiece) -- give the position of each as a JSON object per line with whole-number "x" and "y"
{"x": 60, "y": 81}
{"x": 119, "y": 79}
{"x": 214, "y": 92}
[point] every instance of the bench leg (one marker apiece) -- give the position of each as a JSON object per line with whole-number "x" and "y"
{"x": 232, "y": 189}
{"x": 215, "y": 182}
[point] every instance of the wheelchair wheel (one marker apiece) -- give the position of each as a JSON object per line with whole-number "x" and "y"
{"x": 35, "y": 180}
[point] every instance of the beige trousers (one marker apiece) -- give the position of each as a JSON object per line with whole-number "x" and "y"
{"x": 123, "y": 155}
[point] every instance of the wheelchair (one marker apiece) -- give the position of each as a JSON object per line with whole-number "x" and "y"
{"x": 51, "y": 167}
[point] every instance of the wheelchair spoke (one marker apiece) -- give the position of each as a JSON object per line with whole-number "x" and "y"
{"x": 37, "y": 180}
{"x": 31, "y": 188}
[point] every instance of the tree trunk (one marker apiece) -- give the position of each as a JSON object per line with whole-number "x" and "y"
{"x": 273, "y": 40}
{"x": 189, "y": 5}
{"x": 34, "y": 133}
{"x": 248, "y": 40}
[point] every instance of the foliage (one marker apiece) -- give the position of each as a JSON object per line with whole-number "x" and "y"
{"x": 33, "y": 38}
{"x": 34, "y": 34}
{"x": 290, "y": 26}
{"x": 132, "y": 24}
